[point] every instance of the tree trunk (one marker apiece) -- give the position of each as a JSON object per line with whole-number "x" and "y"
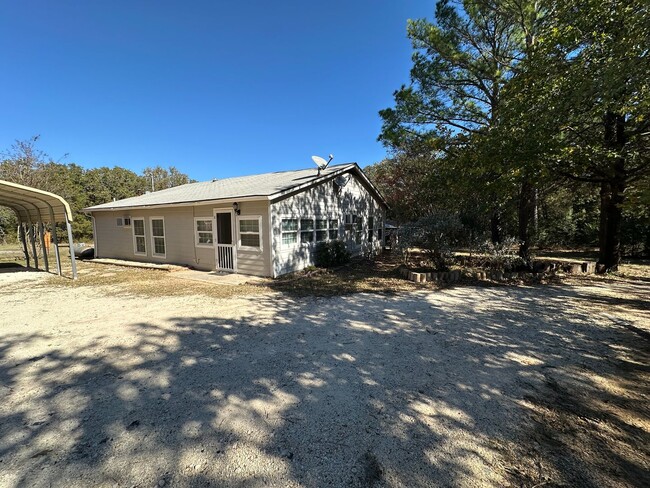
{"x": 495, "y": 226}
{"x": 526, "y": 214}
{"x": 536, "y": 213}
{"x": 612, "y": 197}
{"x": 605, "y": 197}
{"x": 610, "y": 252}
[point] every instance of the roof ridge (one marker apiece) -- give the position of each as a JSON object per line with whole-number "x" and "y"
{"x": 276, "y": 172}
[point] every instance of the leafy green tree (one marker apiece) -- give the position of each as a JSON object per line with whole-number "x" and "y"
{"x": 461, "y": 64}
{"x": 407, "y": 184}
{"x": 24, "y": 163}
{"x": 583, "y": 96}
{"x": 107, "y": 184}
{"x": 159, "y": 178}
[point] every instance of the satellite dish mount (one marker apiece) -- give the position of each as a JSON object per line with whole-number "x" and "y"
{"x": 321, "y": 163}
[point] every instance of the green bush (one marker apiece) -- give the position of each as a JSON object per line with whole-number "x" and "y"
{"x": 331, "y": 253}
{"x": 436, "y": 235}
{"x": 501, "y": 256}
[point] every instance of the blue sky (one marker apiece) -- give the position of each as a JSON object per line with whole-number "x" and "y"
{"x": 214, "y": 88}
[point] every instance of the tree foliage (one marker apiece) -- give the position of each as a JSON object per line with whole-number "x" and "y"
{"x": 26, "y": 164}
{"x": 533, "y": 114}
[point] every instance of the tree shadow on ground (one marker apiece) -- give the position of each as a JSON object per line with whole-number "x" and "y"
{"x": 466, "y": 387}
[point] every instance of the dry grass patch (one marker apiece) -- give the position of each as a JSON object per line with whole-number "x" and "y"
{"x": 120, "y": 280}
{"x": 378, "y": 276}
{"x": 370, "y": 276}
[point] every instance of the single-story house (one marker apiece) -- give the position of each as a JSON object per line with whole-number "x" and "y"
{"x": 264, "y": 225}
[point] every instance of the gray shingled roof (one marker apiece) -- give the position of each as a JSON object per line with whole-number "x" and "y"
{"x": 263, "y": 185}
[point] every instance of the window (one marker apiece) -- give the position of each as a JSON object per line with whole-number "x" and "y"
{"x": 127, "y": 221}
{"x": 203, "y": 234}
{"x": 349, "y": 225}
{"x": 371, "y": 228}
{"x": 289, "y": 232}
{"x": 306, "y": 230}
{"x": 334, "y": 229}
{"x": 139, "y": 243}
{"x": 249, "y": 232}
{"x": 158, "y": 237}
{"x": 359, "y": 229}
{"x": 119, "y": 222}
{"x": 311, "y": 230}
{"x": 321, "y": 230}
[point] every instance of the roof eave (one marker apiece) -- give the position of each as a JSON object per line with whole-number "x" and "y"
{"x": 188, "y": 203}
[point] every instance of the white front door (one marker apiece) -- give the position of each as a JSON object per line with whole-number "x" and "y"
{"x": 224, "y": 243}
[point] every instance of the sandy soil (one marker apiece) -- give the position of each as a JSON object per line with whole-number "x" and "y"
{"x": 468, "y": 386}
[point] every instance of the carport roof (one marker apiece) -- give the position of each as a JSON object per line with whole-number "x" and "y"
{"x": 33, "y": 205}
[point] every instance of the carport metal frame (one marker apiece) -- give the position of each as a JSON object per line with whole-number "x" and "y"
{"x": 33, "y": 207}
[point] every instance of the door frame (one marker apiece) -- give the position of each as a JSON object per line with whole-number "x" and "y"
{"x": 233, "y": 239}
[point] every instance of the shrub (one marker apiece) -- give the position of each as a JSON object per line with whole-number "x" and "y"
{"x": 501, "y": 256}
{"x": 331, "y": 253}
{"x": 436, "y": 235}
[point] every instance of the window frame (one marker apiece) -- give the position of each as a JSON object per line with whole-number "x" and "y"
{"x": 307, "y": 231}
{"x": 333, "y": 225}
{"x": 196, "y": 232}
{"x": 238, "y": 219}
{"x": 296, "y": 232}
{"x": 154, "y": 254}
{"x": 349, "y": 220}
{"x": 124, "y": 224}
{"x": 380, "y": 230}
{"x": 336, "y": 228}
{"x": 143, "y": 235}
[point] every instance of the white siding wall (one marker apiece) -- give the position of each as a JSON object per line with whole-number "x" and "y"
{"x": 324, "y": 201}
{"x": 117, "y": 242}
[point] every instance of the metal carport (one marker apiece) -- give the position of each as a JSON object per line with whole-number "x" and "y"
{"x": 33, "y": 207}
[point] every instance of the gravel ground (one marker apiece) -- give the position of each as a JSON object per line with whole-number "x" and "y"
{"x": 467, "y": 386}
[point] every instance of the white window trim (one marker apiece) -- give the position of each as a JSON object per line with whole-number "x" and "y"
{"x": 144, "y": 229}
{"x": 124, "y": 224}
{"x": 300, "y": 231}
{"x": 259, "y": 232}
{"x": 164, "y": 237}
{"x": 314, "y": 218}
{"x": 297, "y": 232}
{"x": 196, "y": 233}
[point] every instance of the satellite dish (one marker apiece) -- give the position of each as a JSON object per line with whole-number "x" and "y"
{"x": 321, "y": 163}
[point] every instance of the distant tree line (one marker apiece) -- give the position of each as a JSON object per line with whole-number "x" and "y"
{"x": 527, "y": 118}
{"x": 25, "y": 164}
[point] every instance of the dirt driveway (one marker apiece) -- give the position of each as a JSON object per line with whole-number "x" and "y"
{"x": 468, "y": 386}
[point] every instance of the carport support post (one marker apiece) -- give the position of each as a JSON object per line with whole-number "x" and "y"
{"x": 32, "y": 240}
{"x": 46, "y": 260}
{"x": 21, "y": 229}
{"x": 70, "y": 243}
{"x": 55, "y": 240}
